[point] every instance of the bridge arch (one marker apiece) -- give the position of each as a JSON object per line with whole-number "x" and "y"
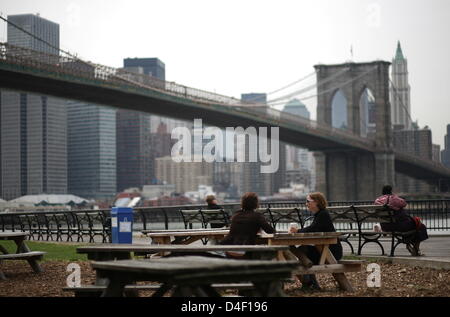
{"x": 367, "y": 113}
{"x": 339, "y": 110}
{"x": 356, "y": 174}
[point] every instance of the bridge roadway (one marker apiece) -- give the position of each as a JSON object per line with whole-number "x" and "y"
{"x": 85, "y": 84}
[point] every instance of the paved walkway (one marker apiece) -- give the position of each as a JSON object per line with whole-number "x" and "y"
{"x": 436, "y": 250}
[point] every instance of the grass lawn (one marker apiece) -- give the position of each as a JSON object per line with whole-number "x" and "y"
{"x": 55, "y": 251}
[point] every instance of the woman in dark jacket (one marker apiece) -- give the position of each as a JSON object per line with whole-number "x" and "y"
{"x": 317, "y": 204}
{"x": 247, "y": 222}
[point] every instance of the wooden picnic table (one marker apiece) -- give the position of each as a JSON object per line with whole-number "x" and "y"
{"x": 185, "y": 236}
{"x": 105, "y": 252}
{"x": 322, "y": 241}
{"x": 193, "y": 275}
{"x": 23, "y": 252}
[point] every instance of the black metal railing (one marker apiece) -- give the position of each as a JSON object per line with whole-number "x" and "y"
{"x": 94, "y": 225}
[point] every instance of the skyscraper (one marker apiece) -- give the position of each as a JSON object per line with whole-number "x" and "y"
{"x": 92, "y": 150}
{"x": 400, "y": 92}
{"x": 299, "y": 161}
{"x": 39, "y": 27}
{"x": 445, "y": 155}
{"x": 135, "y": 162}
{"x": 33, "y": 129}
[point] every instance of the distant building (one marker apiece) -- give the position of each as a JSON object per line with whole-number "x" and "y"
{"x": 299, "y": 161}
{"x": 416, "y": 143}
{"x": 150, "y": 66}
{"x": 186, "y": 176}
{"x": 400, "y": 93}
{"x": 445, "y": 155}
{"x": 155, "y": 191}
{"x": 33, "y": 132}
{"x": 92, "y": 150}
{"x": 436, "y": 155}
{"x": 38, "y": 26}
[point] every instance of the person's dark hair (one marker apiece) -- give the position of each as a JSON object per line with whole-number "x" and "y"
{"x": 249, "y": 201}
{"x": 387, "y": 190}
{"x": 210, "y": 199}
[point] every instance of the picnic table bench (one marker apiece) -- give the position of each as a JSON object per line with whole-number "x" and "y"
{"x": 22, "y": 252}
{"x": 108, "y": 252}
{"x": 321, "y": 240}
{"x": 193, "y": 276}
{"x": 184, "y": 236}
{"x": 105, "y": 252}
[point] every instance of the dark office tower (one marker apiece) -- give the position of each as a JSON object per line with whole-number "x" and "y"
{"x": 252, "y": 178}
{"x": 134, "y": 157}
{"x": 92, "y": 150}
{"x": 300, "y": 164}
{"x": 33, "y": 127}
{"x": 149, "y": 66}
{"x": 445, "y": 156}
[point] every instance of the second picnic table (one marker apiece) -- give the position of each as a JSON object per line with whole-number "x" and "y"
{"x": 327, "y": 263}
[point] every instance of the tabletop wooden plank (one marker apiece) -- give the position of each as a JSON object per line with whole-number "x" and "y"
{"x": 183, "y": 230}
{"x": 190, "y": 264}
{"x": 176, "y": 248}
{"x": 9, "y": 234}
{"x": 189, "y": 233}
{"x": 311, "y": 235}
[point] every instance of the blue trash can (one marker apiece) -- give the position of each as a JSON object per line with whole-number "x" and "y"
{"x": 122, "y": 225}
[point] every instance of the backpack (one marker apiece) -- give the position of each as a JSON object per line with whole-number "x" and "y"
{"x": 421, "y": 229}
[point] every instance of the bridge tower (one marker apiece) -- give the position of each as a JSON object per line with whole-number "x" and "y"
{"x": 355, "y": 175}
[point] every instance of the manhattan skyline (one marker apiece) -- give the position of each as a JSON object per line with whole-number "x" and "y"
{"x": 262, "y": 46}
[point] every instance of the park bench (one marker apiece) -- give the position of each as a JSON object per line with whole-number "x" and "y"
{"x": 215, "y": 218}
{"x": 367, "y": 216}
{"x": 345, "y": 222}
{"x": 284, "y": 215}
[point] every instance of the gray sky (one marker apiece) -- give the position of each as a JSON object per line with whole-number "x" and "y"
{"x": 233, "y": 47}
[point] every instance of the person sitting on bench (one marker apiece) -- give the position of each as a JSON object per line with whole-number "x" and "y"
{"x": 245, "y": 224}
{"x": 317, "y": 204}
{"x": 402, "y": 221}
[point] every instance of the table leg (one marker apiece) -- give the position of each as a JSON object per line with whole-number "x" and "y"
{"x": 269, "y": 289}
{"x": 21, "y": 245}
{"x": 162, "y": 290}
{"x": 340, "y": 278}
{"x": 23, "y": 248}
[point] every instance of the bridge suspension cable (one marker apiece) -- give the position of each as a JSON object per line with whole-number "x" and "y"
{"x": 292, "y": 84}
{"x": 303, "y": 90}
{"x": 332, "y": 88}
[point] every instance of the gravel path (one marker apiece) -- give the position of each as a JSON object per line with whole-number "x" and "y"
{"x": 397, "y": 280}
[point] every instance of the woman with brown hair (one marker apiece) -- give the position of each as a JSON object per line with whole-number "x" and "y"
{"x": 247, "y": 222}
{"x": 317, "y": 204}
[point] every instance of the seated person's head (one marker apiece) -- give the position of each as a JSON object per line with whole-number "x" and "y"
{"x": 316, "y": 201}
{"x": 249, "y": 201}
{"x": 387, "y": 190}
{"x": 211, "y": 200}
